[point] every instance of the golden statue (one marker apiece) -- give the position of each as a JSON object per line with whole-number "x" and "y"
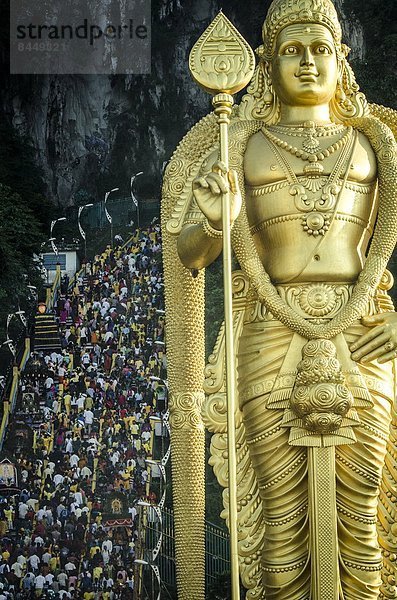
{"x": 313, "y": 186}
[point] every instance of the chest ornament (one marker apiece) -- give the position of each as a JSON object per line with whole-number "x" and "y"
{"x": 311, "y": 151}
{"x": 314, "y": 195}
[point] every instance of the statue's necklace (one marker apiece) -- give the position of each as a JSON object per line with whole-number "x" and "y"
{"x": 318, "y": 210}
{"x": 311, "y": 146}
{"x": 309, "y": 130}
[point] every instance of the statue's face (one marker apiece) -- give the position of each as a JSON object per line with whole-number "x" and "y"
{"x": 304, "y": 68}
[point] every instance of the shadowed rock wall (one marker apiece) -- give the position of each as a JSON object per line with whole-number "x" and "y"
{"x": 93, "y": 132}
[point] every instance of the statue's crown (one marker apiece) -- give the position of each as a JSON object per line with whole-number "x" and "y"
{"x": 286, "y": 12}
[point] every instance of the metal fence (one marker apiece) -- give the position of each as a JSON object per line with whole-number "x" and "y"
{"x": 217, "y": 559}
{"x": 122, "y": 212}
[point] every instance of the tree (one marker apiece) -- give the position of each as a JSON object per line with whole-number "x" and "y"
{"x": 25, "y": 215}
{"x": 19, "y": 170}
{"x": 20, "y": 239}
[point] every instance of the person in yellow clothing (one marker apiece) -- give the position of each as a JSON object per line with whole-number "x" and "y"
{"x": 126, "y": 479}
{"x": 64, "y": 420}
{"x": 77, "y": 427}
{"x": 47, "y": 442}
{"x": 3, "y": 527}
{"x": 133, "y": 426}
{"x": 5, "y": 554}
{"x": 130, "y": 467}
{"x": 53, "y": 563}
{"x": 93, "y": 550}
{"x": 89, "y": 403}
{"x": 66, "y": 399}
{"x": 97, "y": 572}
{"x": 47, "y": 494}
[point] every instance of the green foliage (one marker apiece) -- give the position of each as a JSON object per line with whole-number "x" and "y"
{"x": 19, "y": 170}
{"x": 20, "y": 238}
{"x": 82, "y": 196}
{"x": 24, "y": 222}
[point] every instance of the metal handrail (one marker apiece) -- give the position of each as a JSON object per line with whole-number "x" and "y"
{"x": 9, "y": 405}
{"x": 52, "y": 292}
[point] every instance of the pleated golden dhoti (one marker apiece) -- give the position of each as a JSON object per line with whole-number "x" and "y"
{"x": 282, "y": 471}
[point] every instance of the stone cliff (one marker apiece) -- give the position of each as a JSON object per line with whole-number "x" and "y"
{"x": 93, "y": 132}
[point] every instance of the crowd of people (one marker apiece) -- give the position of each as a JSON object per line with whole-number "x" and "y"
{"x": 73, "y": 529}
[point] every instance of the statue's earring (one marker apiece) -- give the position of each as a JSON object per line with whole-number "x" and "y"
{"x": 261, "y": 102}
{"x": 268, "y": 97}
{"x": 348, "y": 101}
{"x": 340, "y": 93}
{"x": 266, "y": 87}
{"x": 341, "y": 97}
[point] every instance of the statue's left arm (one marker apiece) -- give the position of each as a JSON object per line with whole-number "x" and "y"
{"x": 381, "y": 340}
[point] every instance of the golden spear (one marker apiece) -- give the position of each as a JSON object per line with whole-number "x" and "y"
{"x": 223, "y": 63}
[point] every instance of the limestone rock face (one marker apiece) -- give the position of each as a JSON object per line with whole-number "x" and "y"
{"x": 352, "y": 29}
{"x": 92, "y": 133}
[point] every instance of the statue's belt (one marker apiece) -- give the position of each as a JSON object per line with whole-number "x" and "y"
{"x": 318, "y": 302}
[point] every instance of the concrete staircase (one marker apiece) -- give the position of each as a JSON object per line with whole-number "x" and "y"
{"x": 46, "y": 333}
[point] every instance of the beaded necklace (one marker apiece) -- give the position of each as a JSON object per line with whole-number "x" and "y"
{"x": 309, "y": 128}
{"x": 310, "y": 149}
{"x": 318, "y": 210}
